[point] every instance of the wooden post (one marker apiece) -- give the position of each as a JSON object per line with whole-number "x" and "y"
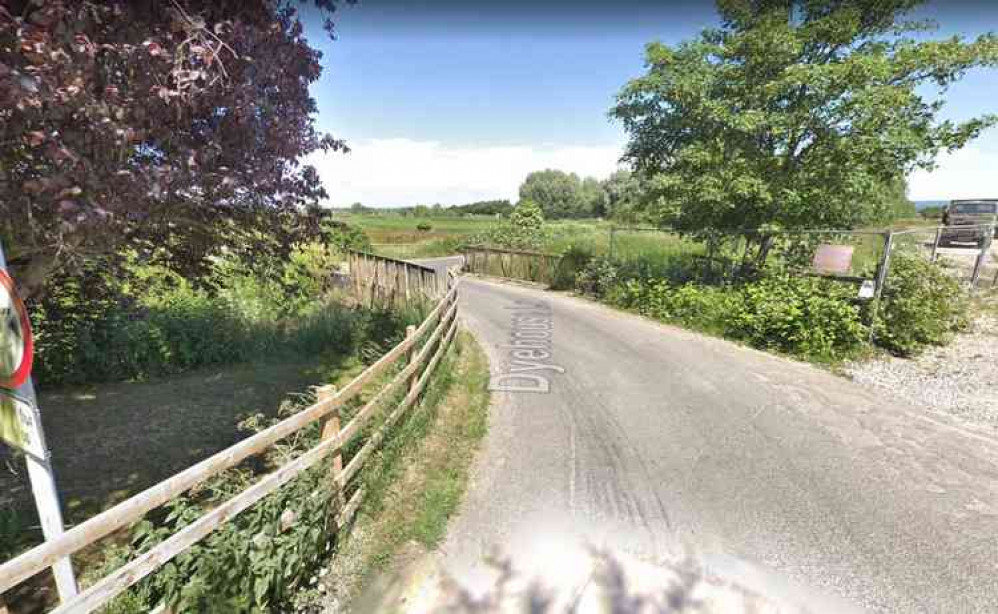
{"x": 935, "y": 244}
{"x": 410, "y": 332}
{"x": 405, "y": 272}
{"x": 330, "y": 429}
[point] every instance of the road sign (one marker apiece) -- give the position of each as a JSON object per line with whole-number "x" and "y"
{"x": 16, "y": 348}
{"x": 20, "y": 424}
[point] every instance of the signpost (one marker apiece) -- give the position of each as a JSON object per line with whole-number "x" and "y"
{"x": 833, "y": 259}
{"x": 20, "y": 422}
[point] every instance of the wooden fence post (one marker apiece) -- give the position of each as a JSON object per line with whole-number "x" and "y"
{"x": 410, "y": 332}
{"x": 330, "y": 429}
{"x": 935, "y": 244}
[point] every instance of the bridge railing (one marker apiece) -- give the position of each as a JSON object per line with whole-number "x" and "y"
{"x": 540, "y": 267}
{"x": 380, "y": 280}
{"x": 421, "y": 351}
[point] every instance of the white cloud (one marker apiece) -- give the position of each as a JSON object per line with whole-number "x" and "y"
{"x": 386, "y": 172}
{"x": 971, "y": 172}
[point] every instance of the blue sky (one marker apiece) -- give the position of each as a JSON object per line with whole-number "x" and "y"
{"x": 456, "y": 101}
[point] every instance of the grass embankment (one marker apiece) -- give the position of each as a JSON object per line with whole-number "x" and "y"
{"x": 422, "y": 477}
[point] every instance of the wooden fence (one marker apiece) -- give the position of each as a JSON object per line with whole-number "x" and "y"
{"x": 515, "y": 264}
{"x": 422, "y": 349}
{"x": 391, "y": 282}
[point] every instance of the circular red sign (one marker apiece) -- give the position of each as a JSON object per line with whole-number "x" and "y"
{"x": 15, "y": 337}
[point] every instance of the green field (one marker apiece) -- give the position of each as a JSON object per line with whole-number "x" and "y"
{"x": 397, "y": 236}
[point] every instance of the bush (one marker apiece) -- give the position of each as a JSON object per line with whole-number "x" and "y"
{"x": 597, "y": 277}
{"x": 808, "y": 317}
{"x": 424, "y": 227}
{"x": 921, "y": 305}
{"x": 139, "y": 320}
{"x": 256, "y": 562}
{"x": 572, "y": 262}
{"x": 805, "y": 317}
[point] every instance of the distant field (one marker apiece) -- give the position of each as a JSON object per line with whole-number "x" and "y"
{"x": 399, "y": 229}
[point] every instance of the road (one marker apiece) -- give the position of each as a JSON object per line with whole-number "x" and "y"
{"x": 657, "y": 441}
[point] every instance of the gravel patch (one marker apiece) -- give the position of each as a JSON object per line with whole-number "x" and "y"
{"x": 960, "y": 379}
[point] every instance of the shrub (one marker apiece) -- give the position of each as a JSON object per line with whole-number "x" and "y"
{"x": 525, "y": 229}
{"x": 256, "y": 562}
{"x": 139, "y": 320}
{"x": 597, "y": 277}
{"x": 806, "y": 317}
{"x": 574, "y": 260}
{"x": 921, "y": 305}
{"x": 424, "y": 227}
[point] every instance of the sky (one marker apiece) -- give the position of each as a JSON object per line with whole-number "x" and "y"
{"x": 456, "y": 101}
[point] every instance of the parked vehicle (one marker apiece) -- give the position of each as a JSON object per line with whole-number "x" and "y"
{"x": 963, "y": 220}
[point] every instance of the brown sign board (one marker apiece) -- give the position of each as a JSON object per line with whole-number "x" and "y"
{"x": 833, "y": 259}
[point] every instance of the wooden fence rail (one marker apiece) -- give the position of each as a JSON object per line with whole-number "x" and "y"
{"x": 438, "y": 329}
{"x": 534, "y": 266}
{"x": 387, "y": 281}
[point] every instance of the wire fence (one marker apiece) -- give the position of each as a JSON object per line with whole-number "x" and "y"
{"x": 860, "y": 257}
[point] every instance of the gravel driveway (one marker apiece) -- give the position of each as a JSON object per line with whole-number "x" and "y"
{"x": 960, "y": 379}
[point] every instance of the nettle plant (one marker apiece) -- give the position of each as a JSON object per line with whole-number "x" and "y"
{"x": 257, "y": 561}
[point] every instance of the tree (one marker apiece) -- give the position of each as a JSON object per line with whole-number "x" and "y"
{"x": 556, "y": 192}
{"x": 794, "y": 113}
{"x": 624, "y": 196}
{"x": 523, "y": 230}
{"x": 592, "y": 198}
{"x": 124, "y": 121}
{"x": 896, "y": 205}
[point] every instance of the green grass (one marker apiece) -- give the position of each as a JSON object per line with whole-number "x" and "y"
{"x": 423, "y": 472}
{"x": 400, "y": 229}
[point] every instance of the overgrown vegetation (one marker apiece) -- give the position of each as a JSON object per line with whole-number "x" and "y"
{"x": 135, "y": 315}
{"x": 922, "y": 305}
{"x": 424, "y": 472}
{"x": 267, "y": 558}
{"x": 808, "y": 317}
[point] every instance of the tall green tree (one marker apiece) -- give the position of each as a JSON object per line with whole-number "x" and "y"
{"x": 556, "y": 192}
{"x": 793, "y": 113}
{"x": 592, "y": 198}
{"x": 564, "y": 195}
{"x": 624, "y": 196}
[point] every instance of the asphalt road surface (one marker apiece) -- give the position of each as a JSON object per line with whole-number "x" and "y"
{"x": 656, "y": 441}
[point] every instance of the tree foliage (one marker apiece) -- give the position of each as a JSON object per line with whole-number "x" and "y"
{"x": 624, "y": 196}
{"x": 124, "y": 121}
{"x": 793, "y": 113}
{"x": 524, "y": 229}
{"x": 564, "y": 195}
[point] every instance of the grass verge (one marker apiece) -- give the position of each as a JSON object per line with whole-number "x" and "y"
{"x": 422, "y": 478}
